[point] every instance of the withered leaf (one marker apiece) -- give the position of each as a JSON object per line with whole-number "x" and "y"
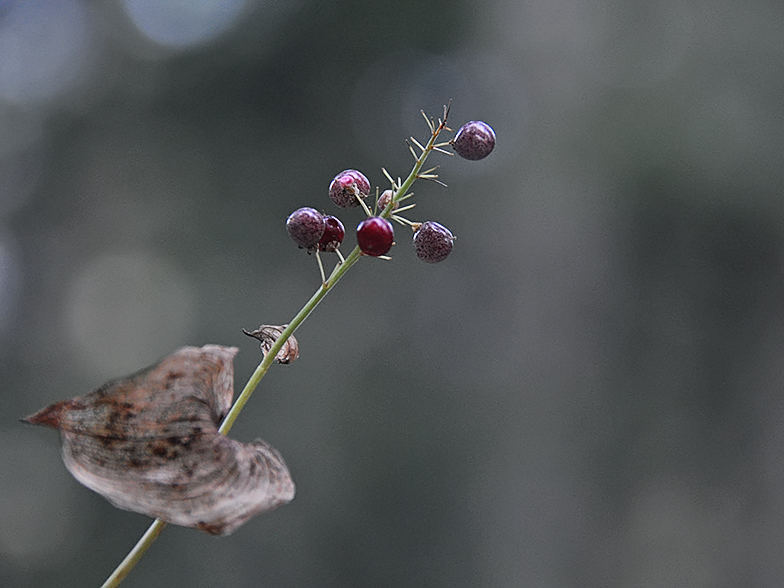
{"x": 149, "y": 443}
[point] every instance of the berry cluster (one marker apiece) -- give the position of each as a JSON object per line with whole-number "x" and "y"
{"x": 432, "y": 242}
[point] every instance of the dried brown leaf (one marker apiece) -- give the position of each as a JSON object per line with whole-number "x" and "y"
{"x": 149, "y": 443}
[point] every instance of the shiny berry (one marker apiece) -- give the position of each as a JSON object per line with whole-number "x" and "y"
{"x": 305, "y": 226}
{"x": 347, "y": 186}
{"x": 333, "y": 234}
{"x": 375, "y": 236}
{"x": 433, "y": 242}
{"x": 384, "y": 199}
{"x": 474, "y": 140}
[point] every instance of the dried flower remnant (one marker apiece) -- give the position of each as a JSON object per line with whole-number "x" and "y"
{"x": 268, "y": 334}
{"x": 149, "y": 443}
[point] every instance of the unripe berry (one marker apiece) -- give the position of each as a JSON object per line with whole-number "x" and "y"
{"x": 333, "y": 234}
{"x": 384, "y": 199}
{"x": 305, "y": 226}
{"x": 474, "y": 140}
{"x": 375, "y": 236}
{"x": 433, "y": 242}
{"x": 347, "y": 186}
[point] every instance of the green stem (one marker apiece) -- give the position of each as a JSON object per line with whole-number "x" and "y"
{"x": 340, "y": 270}
{"x": 135, "y": 554}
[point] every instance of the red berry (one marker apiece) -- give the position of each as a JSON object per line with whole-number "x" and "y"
{"x": 433, "y": 242}
{"x": 347, "y": 186}
{"x": 305, "y": 226}
{"x": 474, "y": 140}
{"x": 375, "y": 236}
{"x": 333, "y": 234}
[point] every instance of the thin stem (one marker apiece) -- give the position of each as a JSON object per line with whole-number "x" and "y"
{"x": 340, "y": 270}
{"x": 135, "y": 554}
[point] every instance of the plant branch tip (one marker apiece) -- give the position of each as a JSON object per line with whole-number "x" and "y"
{"x": 389, "y": 177}
{"x": 418, "y": 144}
{"x": 405, "y": 208}
{"x": 403, "y": 221}
{"x": 428, "y": 121}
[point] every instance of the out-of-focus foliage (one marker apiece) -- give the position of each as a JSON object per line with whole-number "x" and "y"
{"x": 586, "y": 393}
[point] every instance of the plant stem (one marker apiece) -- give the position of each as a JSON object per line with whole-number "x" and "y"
{"x": 340, "y": 270}
{"x": 141, "y": 547}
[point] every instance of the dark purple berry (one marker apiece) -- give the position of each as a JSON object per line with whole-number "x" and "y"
{"x": 474, "y": 140}
{"x": 384, "y": 199}
{"x": 347, "y": 186}
{"x": 433, "y": 242}
{"x": 333, "y": 234}
{"x": 375, "y": 236}
{"x": 305, "y": 226}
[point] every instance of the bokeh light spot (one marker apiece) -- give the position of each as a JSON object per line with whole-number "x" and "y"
{"x": 183, "y": 23}
{"x": 45, "y": 48}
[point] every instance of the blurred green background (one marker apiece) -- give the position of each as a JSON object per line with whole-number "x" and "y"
{"x": 587, "y": 393}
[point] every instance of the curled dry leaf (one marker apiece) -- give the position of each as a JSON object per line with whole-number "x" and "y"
{"x": 268, "y": 334}
{"x": 149, "y": 443}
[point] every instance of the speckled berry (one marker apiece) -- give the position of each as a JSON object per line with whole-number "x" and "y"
{"x": 384, "y": 199}
{"x": 333, "y": 234}
{"x": 474, "y": 140}
{"x": 375, "y": 236}
{"x": 305, "y": 226}
{"x": 433, "y": 242}
{"x": 347, "y": 186}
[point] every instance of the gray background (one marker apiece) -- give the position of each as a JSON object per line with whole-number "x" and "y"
{"x": 585, "y": 394}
